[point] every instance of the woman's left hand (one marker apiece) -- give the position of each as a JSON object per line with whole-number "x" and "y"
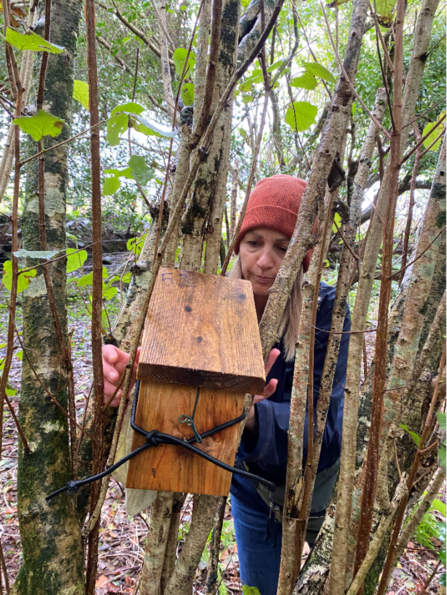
{"x": 269, "y": 389}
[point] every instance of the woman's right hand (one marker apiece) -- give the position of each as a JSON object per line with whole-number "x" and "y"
{"x": 114, "y": 362}
{"x": 269, "y": 389}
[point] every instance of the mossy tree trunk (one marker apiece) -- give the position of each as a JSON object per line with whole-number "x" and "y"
{"x": 50, "y": 533}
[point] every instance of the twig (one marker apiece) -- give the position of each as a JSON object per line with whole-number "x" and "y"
{"x": 419, "y": 143}
{"x": 353, "y": 254}
{"x": 348, "y": 80}
{"x": 4, "y": 569}
{"x": 421, "y": 254}
{"x": 64, "y": 142}
{"x": 248, "y": 190}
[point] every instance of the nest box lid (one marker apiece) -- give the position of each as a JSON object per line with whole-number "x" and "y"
{"x": 202, "y": 330}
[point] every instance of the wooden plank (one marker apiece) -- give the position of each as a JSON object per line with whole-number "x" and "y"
{"x": 173, "y": 468}
{"x": 202, "y": 330}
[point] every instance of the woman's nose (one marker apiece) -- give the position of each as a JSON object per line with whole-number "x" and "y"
{"x": 265, "y": 259}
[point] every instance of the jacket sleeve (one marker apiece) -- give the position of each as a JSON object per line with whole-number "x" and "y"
{"x": 269, "y": 446}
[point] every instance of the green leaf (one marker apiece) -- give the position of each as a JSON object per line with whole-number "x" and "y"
{"x": 336, "y": 3}
{"x": 439, "y": 506}
{"x": 108, "y": 292}
{"x": 110, "y": 186}
{"x": 276, "y": 65}
{"x": 127, "y": 277}
{"x": 19, "y": 354}
{"x": 416, "y": 438}
{"x": 433, "y": 136}
{"x": 39, "y": 254}
{"x": 149, "y": 128}
{"x": 23, "y": 280}
{"x": 40, "y": 125}
{"x": 246, "y": 590}
{"x": 337, "y": 220}
{"x": 32, "y": 42}
{"x": 75, "y": 260}
{"x": 442, "y": 580}
{"x": 301, "y": 115}
{"x": 319, "y": 71}
{"x": 128, "y": 108}
{"x": 10, "y": 392}
{"x": 385, "y": 9}
{"x": 140, "y": 171}
{"x": 441, "y": 420}
{"x": 115, "y": 126}
{"x": 188, "y": 93}
{"x": 80, "y": 93}
{"x": 136, "y": 244}
{"x": 305, "y": 81}
{"x": 247, "y": 99}
{"x": 88, "y": 279}
{"x": 441, "y": 455}
{"x": 179, "y": 57}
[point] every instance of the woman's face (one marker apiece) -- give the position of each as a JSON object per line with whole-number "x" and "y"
{"x": 261, "y": 253}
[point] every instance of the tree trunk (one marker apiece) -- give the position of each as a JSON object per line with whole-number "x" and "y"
{"x": 51, "y": 537}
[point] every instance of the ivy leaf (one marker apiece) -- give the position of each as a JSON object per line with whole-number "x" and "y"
{"x": 441, "y": 420}
{"x": 179, "y": 57}
{"x": 416, "y": 438}
{"x": 140, "y": 171}
{"x": 110, "y": 186}
{"x": 301, "y": 115}
{"x": 434, "y": 135}
{"x": 31, "y": 42}
{"x": 80, "y": 93}
{"x": 305, "y": 81}
{"x": 147, "y": 127}
{"x": 319, "y": 71}
{"x": 40, "y": 125}
{"x": 188, "y": 93}
{"x": 23, "y": 280}
{"x": 75, "y": 259}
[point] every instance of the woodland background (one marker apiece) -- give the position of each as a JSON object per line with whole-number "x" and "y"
{"x": 138, "y": 89}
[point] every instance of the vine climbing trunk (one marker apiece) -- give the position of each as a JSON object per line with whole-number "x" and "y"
{"x": 50, "y": 534}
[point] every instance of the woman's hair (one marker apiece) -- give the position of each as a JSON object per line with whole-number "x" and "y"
{"x": 290, "y": 323}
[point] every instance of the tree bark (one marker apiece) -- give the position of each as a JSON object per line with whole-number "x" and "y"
{"x": 50, "y": 534}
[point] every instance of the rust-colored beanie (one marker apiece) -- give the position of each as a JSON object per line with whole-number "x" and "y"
{"x": 274, "y": 204}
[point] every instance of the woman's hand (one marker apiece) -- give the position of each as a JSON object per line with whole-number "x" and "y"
{"x": 268, "y": 391}
{"x": 114, "y": 362}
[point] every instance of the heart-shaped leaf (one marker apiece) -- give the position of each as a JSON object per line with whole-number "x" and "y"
{"x": 40, "y": 125}
{"x": 31, "y": 42}
{"x": 301, "y": 115}
{"x": 80, "y": 93}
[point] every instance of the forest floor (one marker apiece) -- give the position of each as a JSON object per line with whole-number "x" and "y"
{"x": 122, "y": 538}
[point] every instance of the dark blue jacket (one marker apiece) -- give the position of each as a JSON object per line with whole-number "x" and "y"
{"x": 265, "y": 453}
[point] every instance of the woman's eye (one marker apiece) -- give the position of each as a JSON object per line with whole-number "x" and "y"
{"x": 282, "y": 249}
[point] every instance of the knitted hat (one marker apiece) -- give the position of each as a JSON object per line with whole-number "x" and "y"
{"x": 274, "y": 204}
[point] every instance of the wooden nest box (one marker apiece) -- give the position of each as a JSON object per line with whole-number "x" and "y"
{"x": 201, "y": 332}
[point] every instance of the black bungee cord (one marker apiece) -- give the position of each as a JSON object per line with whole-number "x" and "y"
{"x": 154, "y": 438}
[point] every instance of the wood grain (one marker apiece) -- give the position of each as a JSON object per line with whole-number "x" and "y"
{"x": 173, "y": 468}
{"x": 202, "y": 330}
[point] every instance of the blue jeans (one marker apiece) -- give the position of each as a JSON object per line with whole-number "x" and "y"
{"x": 259, "y": 536}
{"x": 259, "y": 551}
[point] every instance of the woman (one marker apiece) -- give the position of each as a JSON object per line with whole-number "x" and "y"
{"x": 263, "y": 240}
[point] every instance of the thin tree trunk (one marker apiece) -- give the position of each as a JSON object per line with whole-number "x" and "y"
{"x": 350, "y": 416}
{"x": 51, "y": 539}
{"x": 333, "y": 131}
{"x": 233, "y": 204}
